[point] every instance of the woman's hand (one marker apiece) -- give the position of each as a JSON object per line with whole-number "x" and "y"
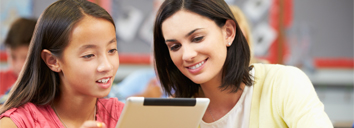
{"x": 93, "y": 124}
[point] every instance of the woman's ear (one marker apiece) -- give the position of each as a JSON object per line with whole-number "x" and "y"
{"x": 229, "y": 31}
{"x": 51, "y": 61}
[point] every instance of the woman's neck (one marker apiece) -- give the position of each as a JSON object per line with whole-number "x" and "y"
{"x": 221, "y": 102}
{"x": 219, "y": 97}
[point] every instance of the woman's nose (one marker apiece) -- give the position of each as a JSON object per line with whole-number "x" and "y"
{"x": 188, "y": 53}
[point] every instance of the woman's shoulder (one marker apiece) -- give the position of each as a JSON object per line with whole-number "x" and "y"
{"x": 276, "y": 70}
{"x": 275, "y": 76}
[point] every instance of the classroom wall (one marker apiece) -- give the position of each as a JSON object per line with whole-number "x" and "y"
{"x": 330, "y": 24}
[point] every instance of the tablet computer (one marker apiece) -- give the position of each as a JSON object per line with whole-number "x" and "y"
{"x": 140, "y": 112}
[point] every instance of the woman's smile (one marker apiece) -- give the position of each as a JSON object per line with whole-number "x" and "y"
{"x": 196, "y": 68}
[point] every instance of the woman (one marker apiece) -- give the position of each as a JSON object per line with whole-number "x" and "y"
{"x": 200, "y": 51}
{"x": 71, "y": 64}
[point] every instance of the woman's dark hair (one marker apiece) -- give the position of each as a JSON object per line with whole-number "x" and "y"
{"x": 236, "y": 67}
{"x": 20, "y": 33}
{"x": 37, "y": 83}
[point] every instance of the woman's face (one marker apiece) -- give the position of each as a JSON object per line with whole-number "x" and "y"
{"x": 90, "y": 61}
{"x": 197, "y": 46}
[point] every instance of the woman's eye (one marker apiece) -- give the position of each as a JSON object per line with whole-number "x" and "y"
{"x": 197, "y": 39}
{"x": 88, "y": 56}
{"x": 175, "y": 47}
{"x": 112, "y": 51}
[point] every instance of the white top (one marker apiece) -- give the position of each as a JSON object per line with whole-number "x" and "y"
{"x": 239, "y": 115}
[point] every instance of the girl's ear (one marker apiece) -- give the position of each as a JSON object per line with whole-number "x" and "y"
{"x": 229, "y": 32}
{"x": 51, "y": 61}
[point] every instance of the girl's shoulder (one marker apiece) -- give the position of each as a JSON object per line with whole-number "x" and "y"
{"x": 28, "y": 109}
{"x": 109, "y": 103}
{"x": 109, "y": 111}
{"x": 31, "y": 115}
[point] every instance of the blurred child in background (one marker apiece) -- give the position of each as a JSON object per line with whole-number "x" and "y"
{"x": 17, "y": 42}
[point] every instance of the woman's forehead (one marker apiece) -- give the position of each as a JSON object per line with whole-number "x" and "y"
{"x": 182, "y": 22}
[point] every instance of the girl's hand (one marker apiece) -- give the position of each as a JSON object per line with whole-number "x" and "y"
{"x": 93, "y": 124}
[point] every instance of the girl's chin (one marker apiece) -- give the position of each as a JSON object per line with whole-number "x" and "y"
{"x": 102, "y": 94}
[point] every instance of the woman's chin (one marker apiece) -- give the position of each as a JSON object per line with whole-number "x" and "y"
{"x": 198, "y": 80}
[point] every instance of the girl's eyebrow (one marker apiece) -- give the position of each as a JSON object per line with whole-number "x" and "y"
{"x": 113, "y": 40}
{"x": 94, "y": 46}
{"x": 190, "y": 33}
{"x": 87, "y": 47}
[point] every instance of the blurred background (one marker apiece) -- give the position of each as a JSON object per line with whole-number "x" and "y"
{"x": 314, "y": 35}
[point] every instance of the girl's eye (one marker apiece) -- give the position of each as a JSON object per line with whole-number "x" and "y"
{"x": 88, "y": 56}
{"x": 175, "y": 47}
{"x": 197, "y": 39}
{"x": 112, "y": 51}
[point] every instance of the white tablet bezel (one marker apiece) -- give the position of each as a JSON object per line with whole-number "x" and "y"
{"x": 140, "y": 112}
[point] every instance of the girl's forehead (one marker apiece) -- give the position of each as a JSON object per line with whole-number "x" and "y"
{"x": 91, "y": 30}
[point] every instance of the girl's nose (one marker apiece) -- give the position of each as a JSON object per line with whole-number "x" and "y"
{"x": 105, "y": 65}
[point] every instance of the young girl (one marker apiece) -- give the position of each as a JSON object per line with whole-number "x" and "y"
{"x": 200, "y": 51}
{"x": 71, "y": 65}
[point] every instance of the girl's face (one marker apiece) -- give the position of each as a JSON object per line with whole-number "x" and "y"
{"x": 197, "y": 46}
{"x": 90, "y": 61}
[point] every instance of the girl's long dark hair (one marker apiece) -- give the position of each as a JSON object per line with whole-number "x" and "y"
{"x": 236, "y": 67}
{"x": 37, "y": 83}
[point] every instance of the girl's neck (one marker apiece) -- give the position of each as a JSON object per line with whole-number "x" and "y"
{"x": 74, "y": 111}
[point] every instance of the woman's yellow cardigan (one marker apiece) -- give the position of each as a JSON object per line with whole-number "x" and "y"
{"x": 283, "y": 96}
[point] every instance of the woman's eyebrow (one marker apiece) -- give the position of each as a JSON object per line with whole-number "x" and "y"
{"x": 170, "y": 40}
{"x": 190, "y": 33}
